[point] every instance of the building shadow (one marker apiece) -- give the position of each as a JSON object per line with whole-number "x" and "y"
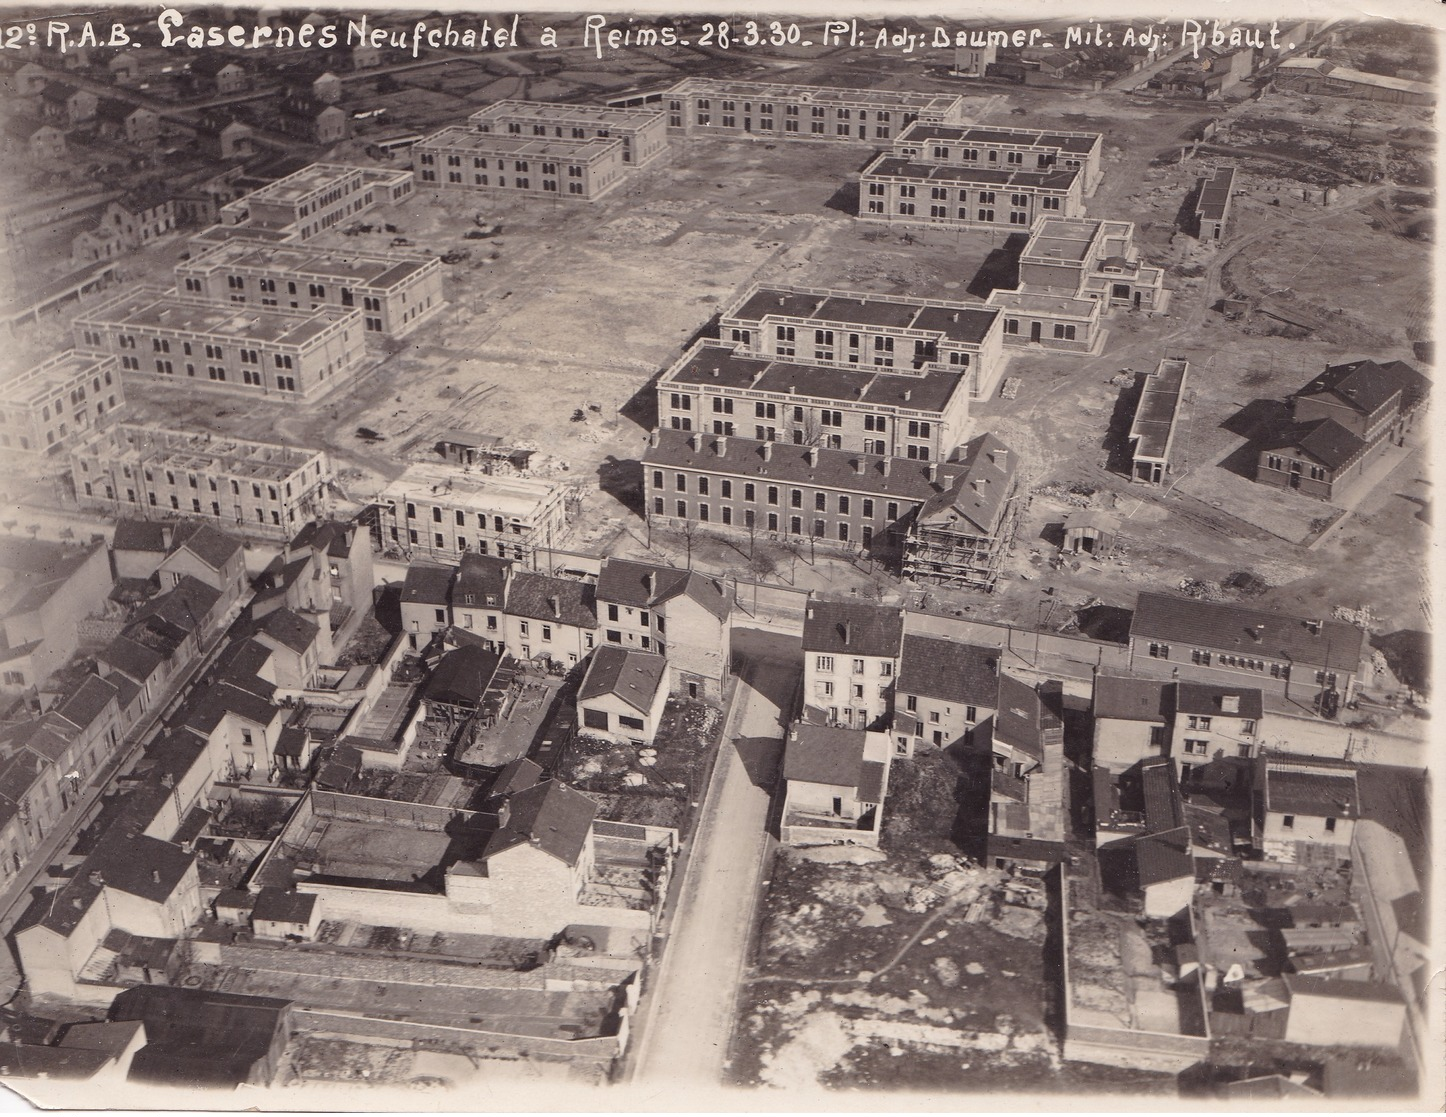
{"x": 1242, "y": 460}
{"x": 762, "y": 758}
{"x": 1000, "y": 270}
{"x": 1408, "y": 654}
{"x": 622, "y": 479}
{"x": 1257, "y": 417}
{"x": 388, "y": 607}
{"x": 845, "y": 199}
{"x": 1106, "y": 622}
{"x": 641, "y": 407}
{"x": 1116, "y": 440}
{"x": 1052, "y": 534}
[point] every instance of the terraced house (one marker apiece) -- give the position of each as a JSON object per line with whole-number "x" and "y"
{"x": 732, "y": 107}
{"x": 462, "y": 158}
{"x": 850, "y": 662}
{"x": 835, "y": 328}
{"x": 395, "y": 291}
{"x": 266, "y": 352}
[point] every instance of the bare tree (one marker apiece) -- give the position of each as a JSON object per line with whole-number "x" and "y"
{"x": 760, "y": 564}
{"x": 792, "y": 548}
{"x": 689, "y": 531}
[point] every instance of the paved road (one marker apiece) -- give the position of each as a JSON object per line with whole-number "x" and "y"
{"x": 691, "y": 1007}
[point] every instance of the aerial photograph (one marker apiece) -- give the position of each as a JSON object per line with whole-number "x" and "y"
{"x": 859, "y": 559}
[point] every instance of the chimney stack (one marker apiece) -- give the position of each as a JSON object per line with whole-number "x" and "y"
{"x": 887, "y": 465}
{"x": 1230, "y": 703}
{"x": 813, "y": 455}
{"x": 695, "y": 440}
{"x": 933, "y": 471}
{"x": 556, "y": 603}
{"x": 848, "y": 631}
{"x": 155, "y": 876}
{"x": 653, "y": 439}
{"x": 908, "y": 394}
{"x": 809, "y": 610}
{"x": 768, "y": 451}
{"x": 1000, "y": 456}
{"x": 716, "y": 371}
{"x": 722, "y": 445}
{"x": 650, "y": 580}
{"x": 96, "y": 878}
{"x": 858, "y": 465}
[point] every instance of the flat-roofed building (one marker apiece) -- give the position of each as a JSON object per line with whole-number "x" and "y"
{"x": 395, "y": 292}
{"x": 259, "y": 488}
{"x": 440, "y": 511}
{"x": 774, "y": 110}
{"x": 1156, "y": 449}
{"x": 49, "y": 406}
{"x": 824, "y": 326}
{"x": 644, "y": 132}
{"x": 992, "y": 148}
{"x": 1212, "y": 205}
{"x": 317, "y": 197}
{"x": 920, "y": 415}
{"x": 268, "y": 352}
{"x": 1067, "y": 264}
{"x": 462, "y": 158}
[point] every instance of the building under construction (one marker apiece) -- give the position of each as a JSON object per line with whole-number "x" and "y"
{"x": 962, "y": 534}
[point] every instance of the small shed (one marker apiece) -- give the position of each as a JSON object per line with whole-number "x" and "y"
{"x": 1090, "y": 531}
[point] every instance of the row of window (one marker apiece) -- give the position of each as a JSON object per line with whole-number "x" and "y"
{"x": 796, "y": 524}
{"x": 750, "y": 491}
{"x": 856, "y": 666}
{"x": 548, "y": 184}
{"x": 765, "y": 108}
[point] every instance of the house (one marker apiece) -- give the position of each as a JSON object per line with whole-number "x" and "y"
{"x": 680, "y": 614}
{"x": 1165, "y": 872}
{"x": 1340, "y": 423}
{"x": 1302, "y": 660}
{"x": 622, "y": 695}
{"x": 962, "y": 534}
{"x": 426, "y": 593}
{"x": 1130, "y": 721}
{"x": 974, "y": 61}
{"x": 326, "y": 88}
{"x": 850, "y": 661}
{"x": 138, "y": 546}
{"x": 460, "y": 679}
{"x": 55, "y": 404}
{"x": 224, "y": 137}
{"x": 945, "y": 689}
{"x": 323, "y": 573}
{"x": 550, "y": 618}
{"x": 121, "y": 120}
{"x": 1335, "y": 1013}
{"x": 140, "y": 885}
{"x": 35, "y": 139}
{"x": 1317, "y": 75}
{"x": 206, "y": 1038}
{"x": 1305, "y": 805}
{"x": 46, "y": 590}
{"x": 1143, "y": 834}
{"x": 240, "y": 723}
{"x": 141, "y": 216}
{"x": 304, "y": 117}
{"x": 1210, "y": 721}
{"x": 99, "y": 1052}
{"x": 1027, "y": 794}
{"x": 66, "y": 105}
{"x": 278, "y": 914}
{"x": 297, "y": 647}
{"x": 478, "y": 598}
{"x": 217, "y": 74}
{"x": 835, "y": 782}
{"x": 211, "y": 556}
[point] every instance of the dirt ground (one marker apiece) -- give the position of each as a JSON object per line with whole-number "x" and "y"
{"x": 590, "y": 302}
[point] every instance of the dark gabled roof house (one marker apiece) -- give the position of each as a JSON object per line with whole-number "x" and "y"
{"x": 645, "y": 585}
{"x": 853, "y": 628}
{"x": 1239, "y": 629}
{"x": 551, "y": 816}
{"x": 544, "y": 597}
{"x": 934, "y": 667}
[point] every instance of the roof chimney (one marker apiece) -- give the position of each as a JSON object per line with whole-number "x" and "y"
{"x": 813, "y": 455}
{"x": 782, "y": 300}
{"x": 1314, "y": 626}
{"x": 96, "y": 878}
{"x": 155, "y": 876}
{"x": 695, "y": 440}
{"x": 1257, "y": 633}
{"x": 716, "y": 371}
{"x": 722, "y": 446}
{"x": 848, "y": 631}
{"x": 908, "y": 394}
{"x": 886, "y": 465}
{"x": 954, "y": 317}
{"x": 650, "y": 581}
{"x": 933, "y": 471}
{"x": 1230, "y": 703}
{"x": 858, "y": 465}
{"x": 809, "y": 610}
{"x": 653, "y": 438}
{"x": 767, "y": 451}
{"x": 999, "y": 456}
{"x": 556, "y": 603}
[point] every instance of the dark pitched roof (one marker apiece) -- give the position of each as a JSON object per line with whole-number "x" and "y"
{"x": 139, "y": 535}
{"x": 938, "y": 668}
{"x": 1204, "y": 698}
{"x": 1228, "y": 627}
{"x": 516, "y": 775}
{"x": 555, "y": 818}
{"x": 532, "y": 595}
{"x": 28, "y": 1060}
{"x": 1129, "y": 699}
{"x": 1363, "y": 386}
{"x": 1022, "y": 718}
{"x": 130, "y": 658}
{"x": 213, "y": 547}
{"x": 200, "y": 1036}
{"x": 853, "y": 628}
{"x": 482, "y": 576}
{"x": 185, "y": 605}
{"x": 223, "y": 698}
{"x": 462, "y": 676}
{"x": 290, "y": 630}
{"x": 977, "y": 494}
{"x": 88, "y": 701}
{"x": 280, "y": 906}
{"x": 1317, "y": 787}
{"x": 334, "y": 537}
{"x": 137, "y": 865}
{"x": 1323, "y": 440}
{"x": 1164, "y": 856}
{"x": 630, "y": 675}
{"x": 427, "y": 584}
{"x": 1164, "y": 805}
{"x": 824, "y": 754}
{"x": 644, "y": 585}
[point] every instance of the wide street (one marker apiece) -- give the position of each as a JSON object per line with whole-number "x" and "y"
{"x": 689, "y": 1011}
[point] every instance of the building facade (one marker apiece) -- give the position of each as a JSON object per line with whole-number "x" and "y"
{"x": 257, "y": 488}
{"x": 49, "y": 407}
{"x": 644, "y": 132}
{"x": 851, "y": 662}
{"x": 396, "y": 292}
{"x": 318, "y": 197}
{"x": 443, "y": 512}
{"x": 462, "y": 158}
{"x": 962, "y": 534}
{"x": 265, "y": 352}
